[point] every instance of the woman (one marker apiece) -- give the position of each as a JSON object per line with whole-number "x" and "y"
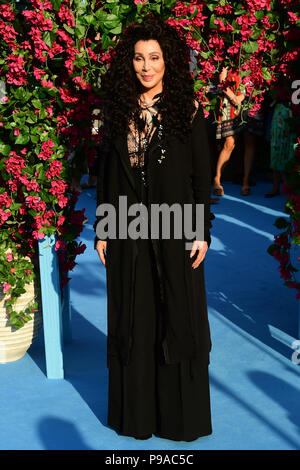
{"x": 155, "y": 151}
{"x": 282, "y": 139}
{"x": 229, "y": 126}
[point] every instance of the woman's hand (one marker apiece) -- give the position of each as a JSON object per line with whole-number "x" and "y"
{"x": 202, "y": 248}
{"x": 223, "y": 74}
{"x": 239, "y": 99}
{"x": 101, "y": 247}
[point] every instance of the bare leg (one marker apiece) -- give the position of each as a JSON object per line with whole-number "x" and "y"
{"x": 276, "y": 184}
{"x": 224, "y": 156}
{"x": 248, "y": 156}
{"x": 285, "y": 177}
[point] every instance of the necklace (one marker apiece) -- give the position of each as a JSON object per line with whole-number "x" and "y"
{"x": 145, "y": 120}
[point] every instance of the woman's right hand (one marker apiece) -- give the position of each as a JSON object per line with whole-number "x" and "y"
{"x": 101, "y": 247}
{"x": 223, "y": 74}
{"x": 239, "y": 99}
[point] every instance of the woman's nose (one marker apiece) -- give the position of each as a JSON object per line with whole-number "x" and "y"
{"x": 146, "y": 65}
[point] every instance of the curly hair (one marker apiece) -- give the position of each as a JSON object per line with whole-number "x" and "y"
{"x": 120, "y": 87}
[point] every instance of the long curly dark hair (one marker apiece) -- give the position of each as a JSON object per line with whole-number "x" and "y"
{"x": 120, "y": 88}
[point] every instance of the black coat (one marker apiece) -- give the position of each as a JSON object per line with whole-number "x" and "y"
{"x": 183, "y": 176}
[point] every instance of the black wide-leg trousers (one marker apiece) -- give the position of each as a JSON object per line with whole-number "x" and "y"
{"x": 148, "y": 396}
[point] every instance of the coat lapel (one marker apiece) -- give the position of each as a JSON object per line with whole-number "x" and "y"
{"x": 120, "y": 144}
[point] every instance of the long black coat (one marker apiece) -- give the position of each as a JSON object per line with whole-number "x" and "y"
{"x": 183, "y": 176}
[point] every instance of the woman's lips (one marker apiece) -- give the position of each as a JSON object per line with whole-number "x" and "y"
{"x": 147, "y": 78}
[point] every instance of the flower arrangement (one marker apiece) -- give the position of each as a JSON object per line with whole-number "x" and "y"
{"x": 52, "y": 57}
{"x": 47, "y": 103}
{"x": 289, "y": 238}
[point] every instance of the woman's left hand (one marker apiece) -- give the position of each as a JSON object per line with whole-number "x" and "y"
{"x": 202, "y": 248}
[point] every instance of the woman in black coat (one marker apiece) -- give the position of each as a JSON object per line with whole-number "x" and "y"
{"x": 154, "y": 151}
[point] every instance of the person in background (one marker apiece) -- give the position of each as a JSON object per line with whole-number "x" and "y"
{"x": 253, "y": 128}
{"x": 282, "y": 139}
{"x": 229, "y": 124}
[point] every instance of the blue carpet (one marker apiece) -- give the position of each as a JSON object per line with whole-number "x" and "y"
{"x": 254, "y": 320}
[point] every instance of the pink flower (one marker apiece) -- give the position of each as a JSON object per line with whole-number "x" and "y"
{"x": 292, "y": 17}
{"x": 49, "y": 110}
{"x": 46, "y": 150}
{"x": 9, "y": 257}
{"x": 60, "y": 220}
{"x": 6, "y": 287}
{"x": 14, "y": 164}
{"x": 58, "y": 187}
{"x": 60, "y": 245}
{"x": 38, "y": 235}
{"x": 66, "y": 96}
{"x": 5, "y": 200}
{"x": 55, "y": 168}
{"x": 66, "y": 16}
{"x": 4, "y": 215}
{"x": 7, "y": 12}
{"x": 17, "y": 132}
{"x": 37, "y": 19}
{"x": 38, "y": 73}
{"x": 16, "y": 74}
{"x": 35, "y": 203}
{"x": 79, "y": 81}
{"x": 48, "y": 84}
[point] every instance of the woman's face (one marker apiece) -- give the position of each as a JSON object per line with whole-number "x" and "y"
{"x": 148, "y": 64}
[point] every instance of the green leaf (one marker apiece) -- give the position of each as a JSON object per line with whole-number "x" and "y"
{"x": 212, "y": 25}
{"x": 48, "y": 38}
{"x": 22, "y": 139}
{"x": 197, "y": 85}
{"x": 117, "y": 30}
{"x": 100, "y": 14}
{"x": 56, "y": 4}
{"x": 210, "y": 6}
{"x": 43, "y": 113}
{"x": 36, "y": 103}
{"x": 89, "y": 19}
{"x": 80, "y": 30}
{"x": 34, "y": 139}
{"x": 32, "y": 119}
{"x": 259, "y": 14}
{"x": 15, "y": 206}
{"x": 266, "y": 73}
{"x": 125, "y": 8}
{"x": 4, "y": 149}
{"x": 205, "y": 55}
{"x": 105, "y": 41}
{"x": 250, "y": 46}
{"x": 111, "y": 21}
{"x": 68, "y": 29}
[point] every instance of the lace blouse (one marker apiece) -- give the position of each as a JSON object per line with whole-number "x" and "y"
{"x": 141, "y": 130}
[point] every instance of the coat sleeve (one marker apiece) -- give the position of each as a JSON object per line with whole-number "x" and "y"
{"x": 201, "y": 172}
{"x": 100, "y": 170}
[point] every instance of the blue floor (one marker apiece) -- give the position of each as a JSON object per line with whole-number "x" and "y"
{"x": 254, "y": 321}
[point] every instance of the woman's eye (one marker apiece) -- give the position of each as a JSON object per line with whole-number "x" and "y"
{"x": 155, "y": 58}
